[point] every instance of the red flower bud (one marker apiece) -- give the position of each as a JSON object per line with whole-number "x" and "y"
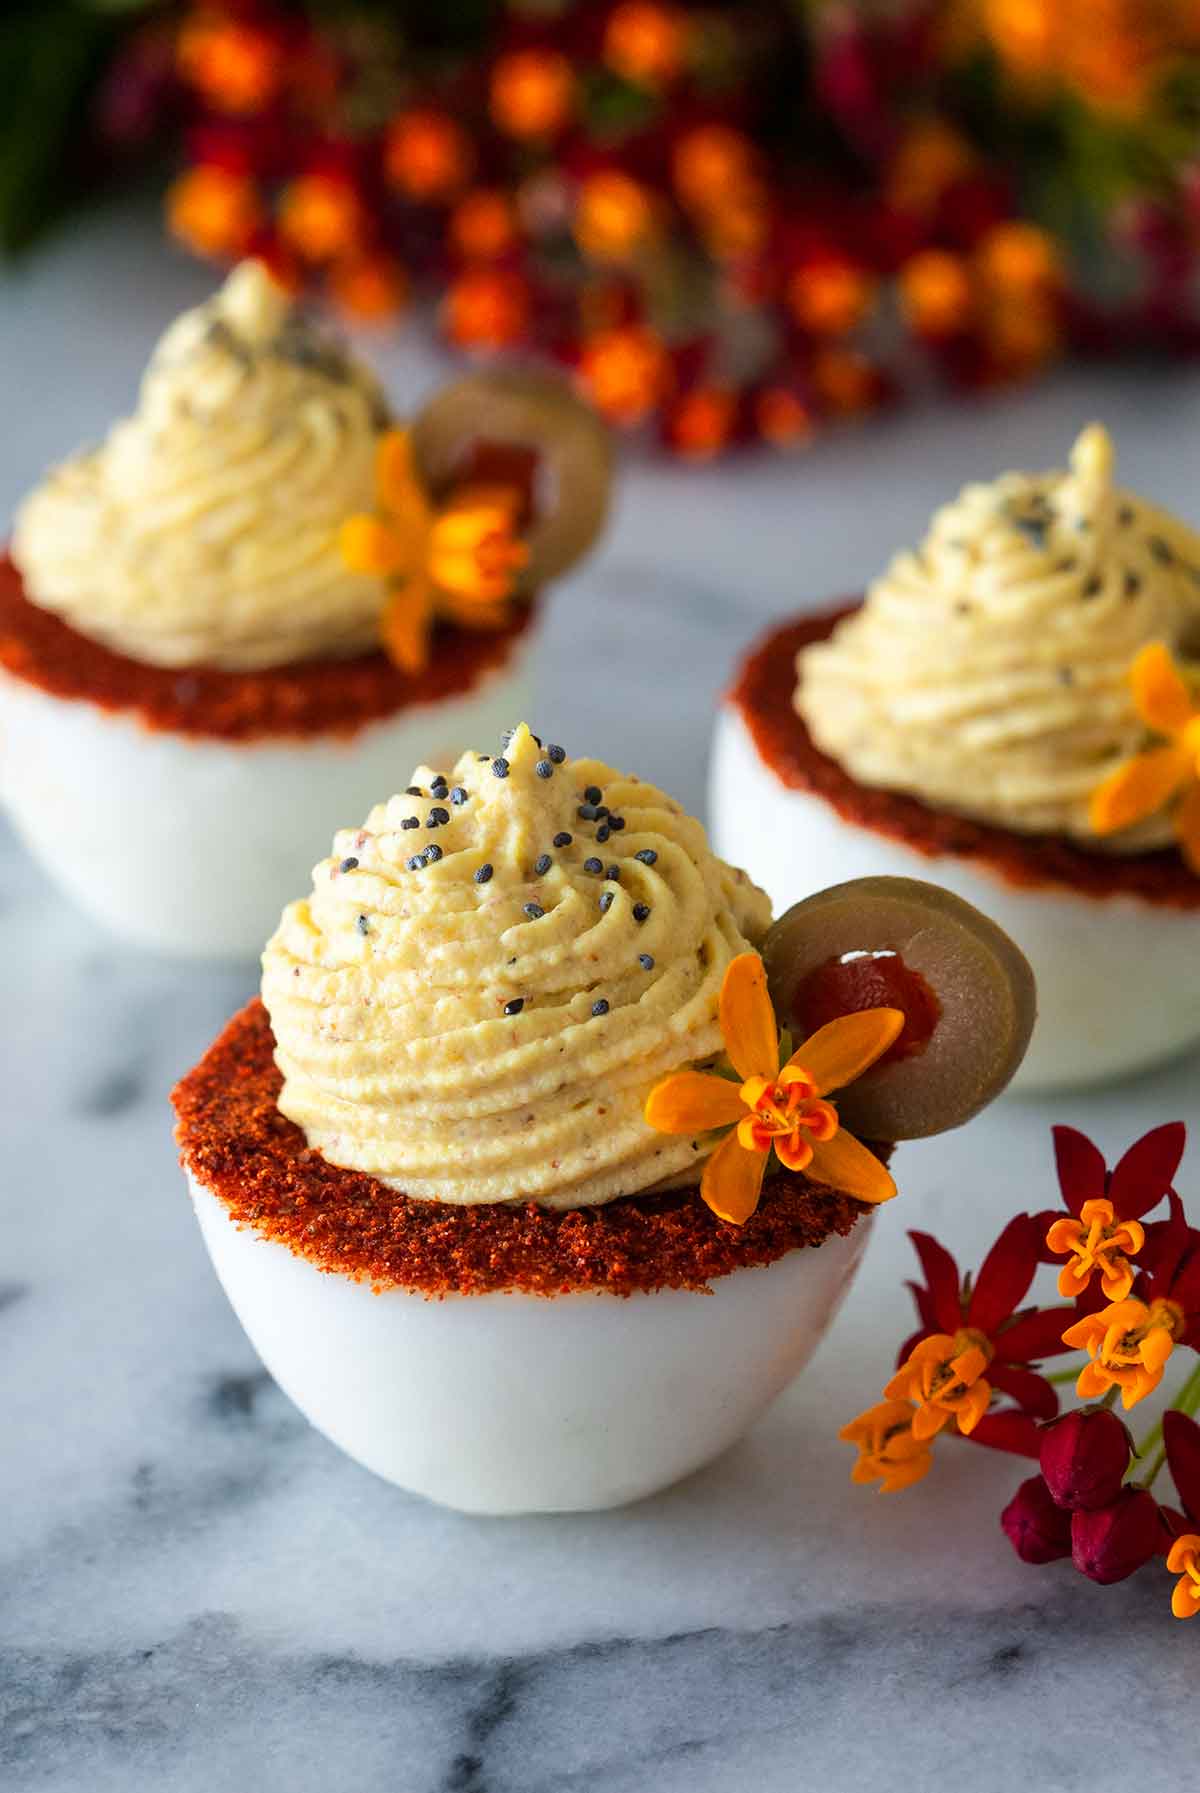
{"x": 1038, "y": 1530}
{"x": 1084, "y": 1457}
{"x": 1110, "y": 1543}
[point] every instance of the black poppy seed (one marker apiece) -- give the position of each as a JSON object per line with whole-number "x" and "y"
{"x": 411, "y": 822}
{"x": 500, "y": 768}
{"x": 593, "y": 793}
{"x": 606, "y": 902}
{"x": 1033, "y": 529}
{"x": 438, "y": 818}
{"x": 641, "y": 911}
{"x": 438, "y": 783}
{"x": 603, "y": 832}
{"x": 647, "y": 855}
{"x": 1161, "y": 550}
{"x": 507, "y": 736}
{"x": 534, "y": 911}
{"x": 600, "y": 1008}
{"x": 416, "y": 862}
{"x": 542, "y": 864}
{"x": 616, "y": 823}
{"x": 544, "y": 769}
{"x": 613, "y": 873}
{"x": 364, "y": 926}
{"x": 1066, "y": 675}
{"x": 515, "y": 1006}
{"x": 556, "y": 753}
{"x": 587, "y": 812}
{"x": 414, "y": 790}
{"x": 432, "y": 855}
{"x": 1092, "y": 588}
{"x": 646, "y": 961}
{"x": 458, "y": 794}
{"x": 593, "y": 865}
{"x": 562, "y": 839}
{"x": 483, "y": 874}
{"x": 962, "y": 608}
{"x": 483, "y": 758}
{"x": 1125, "y": 514}
{"x": 1133, "y": 585}
{"x": 348, "y": 865}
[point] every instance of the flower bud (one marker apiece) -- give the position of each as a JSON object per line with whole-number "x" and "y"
{"x": 1110, "y": 1543}
{"x": 1038, "y": 1530}
{"x": 1084, "y": 1457}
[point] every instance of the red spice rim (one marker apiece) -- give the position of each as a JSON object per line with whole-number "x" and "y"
{"x": 331, "y": 698}
{"x": 762, "y": 694}
{"x": 238, "y": 1146}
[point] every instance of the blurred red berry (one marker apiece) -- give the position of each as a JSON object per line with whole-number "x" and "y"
{"x": 1038, "y": 1530}
{"x": 1113, "y": 1542}
{"x": 1084, "y": 1457}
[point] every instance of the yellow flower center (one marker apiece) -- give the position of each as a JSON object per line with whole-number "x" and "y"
{"x": 785, "y": 1108}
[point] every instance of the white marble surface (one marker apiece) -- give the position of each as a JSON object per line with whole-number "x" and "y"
{"x": 198, "y": 1593}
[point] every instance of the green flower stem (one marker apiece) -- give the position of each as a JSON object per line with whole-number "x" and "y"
{"x": 1061, "y": 1376}
{"x": 1187, "y": 1400}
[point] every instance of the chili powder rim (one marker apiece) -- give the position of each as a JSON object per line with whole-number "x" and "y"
{"x": 237, "y": 1145}
{"x": 762, "y": 693}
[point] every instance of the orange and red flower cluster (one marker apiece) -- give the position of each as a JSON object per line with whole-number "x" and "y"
{"x": 973, "y": 1368}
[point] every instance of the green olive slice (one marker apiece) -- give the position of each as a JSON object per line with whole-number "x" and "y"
{"x": 966, "y": 989}
{"x": 537, "y": 412}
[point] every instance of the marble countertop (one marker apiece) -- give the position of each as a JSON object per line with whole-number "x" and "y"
{"x": 197, "y": 1592}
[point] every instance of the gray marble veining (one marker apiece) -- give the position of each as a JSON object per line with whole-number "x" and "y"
{"x": 197, "y": 1592}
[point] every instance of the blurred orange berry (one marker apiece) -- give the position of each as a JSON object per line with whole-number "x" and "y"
{"x": 930, "y": 158}
{"x": 321, "y": 216}
{"x": 935, "y": 292}
{"x": 830, "y": 297}
{"x": 700, "y": 422}
{"x": 214, "y": 210}
{"x": 486, "y": 308}
{"x": 234, "y": 66}
{"x": 368, "y": 288}
{"x": 532, "y": 93}
{"x": 1023, "y": 33}
{"x": 483, "y": 225}
{"x": 427, "y": 154}
{"x": 627, "y": 373}
{"x": 645, "y": 42}
{"x": 1018, "y": 257}
{"x": 1024, "y": 337}
{"x": 613, "y": 216}
{"x": 736, "y": 226}
{"x": 782, "y": 418}
{"x": 708, "y": 163}
{"x": 845, "y": 380}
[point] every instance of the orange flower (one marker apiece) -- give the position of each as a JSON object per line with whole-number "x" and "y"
{"x": 369, "y": 288}
{"x": 235, "y": 67}
{"x": 773, "y": 1108}
{"x": 699, "y": 425}
{"x": 708, "y": 162}
{"x": 1183, "y": 1559}
{"x": 214, "y": 211}
{"x": 626, "y": 371}
{"x": 486, "y": 308}
{"x": 462, "y": 561}
{"x": 783, "y": 419}
{"x": 830, "y": 297}
{"x": 1152, "y": 780}
{"x": 532, "y": 93}
{"x": 889, "y": 1451}
{"x": 427, "y": 154}
{"x": 931, "y": 157}
{"x": 613, "y": 217}
{"x": 1096, "y": 1241}
{"x": 1128, "y": 1344}
{"x": 483, "y": 225}
{"x": 943, "y": 1377}
{"x": 935, "y": 292}
{"x": 321, "y": 216}
{"x": 645, "y": 42}
{"x": 1016, "y": 258}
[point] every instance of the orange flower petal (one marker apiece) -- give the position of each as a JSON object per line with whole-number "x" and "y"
{"x": 1137, "y": 789}
{"x": 732, "y": 1181}
{"x": 748, "y": 1019}
{"x": 1163, "y": 700}
{"x": 395, "y": 475}
{"x": 1187, "y": 826}
{"x": 843, "y": 1049}
{"x": 845, "y": 1164}
{"x": 796, "y": 1152}
{"x": 693, "y": 1102}
{"x": 1064, "y": 1235}
{"x": 368, "y": 545}
{"x": 404, "y": 629}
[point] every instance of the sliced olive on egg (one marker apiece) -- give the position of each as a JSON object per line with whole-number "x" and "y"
{"x": 479, "y": 419}
{"x": 965, "y": 988}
